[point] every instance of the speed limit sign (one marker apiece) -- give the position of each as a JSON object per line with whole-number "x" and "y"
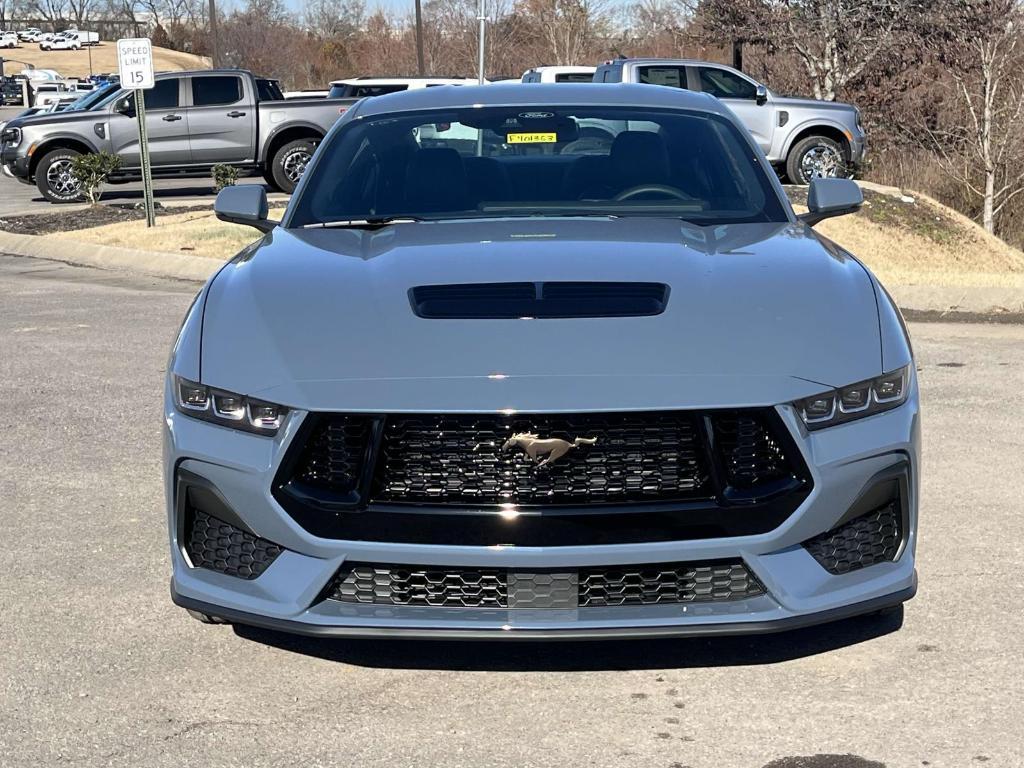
{"x": 135, "y": 61}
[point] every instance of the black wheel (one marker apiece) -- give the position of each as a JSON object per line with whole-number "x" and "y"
{"x": 816, "y": 157}
{"x": 54, "y": 179}
{"x": 289, "y": 163}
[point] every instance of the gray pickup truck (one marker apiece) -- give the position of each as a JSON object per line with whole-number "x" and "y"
{"x": 806, "y": 139}
{"x": 194, "y": 120}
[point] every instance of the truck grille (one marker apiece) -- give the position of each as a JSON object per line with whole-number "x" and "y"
{"x": 439, "y": 587}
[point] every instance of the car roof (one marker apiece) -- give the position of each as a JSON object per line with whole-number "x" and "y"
{"x": 541, "y": 94}
{"x": 557, "y": 69}
{"x": 401, "y": 80}
{"x": 656, "y": 60}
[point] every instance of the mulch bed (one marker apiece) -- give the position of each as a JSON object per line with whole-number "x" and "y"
{"x": 67, "y": 221}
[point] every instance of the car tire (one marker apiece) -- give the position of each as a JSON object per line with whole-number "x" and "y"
{"x": 289, "y": 162}
{"x": 53, "y": 177}
{"x": 816, "y": 157}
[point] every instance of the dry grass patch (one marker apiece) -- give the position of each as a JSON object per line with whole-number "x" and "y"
{"x": 198, "y": 233}
{"x": 911, "y": 239}
{"x": 104, "y": 59}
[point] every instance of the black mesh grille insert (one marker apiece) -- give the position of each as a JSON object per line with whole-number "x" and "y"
{"x": 867, "y": 540}
{"x": 539, "y": 300}
{"x": 608, "y": 458}
{"x": 335, "y": 454}
{"x": 751, "y": 453}
{"x": 668, "y": 583}
{"x": 649, "y": 584}
{"x": 217, "y": 546}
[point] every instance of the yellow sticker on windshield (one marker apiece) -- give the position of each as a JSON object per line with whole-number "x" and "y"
{"x": 533, "y": 138}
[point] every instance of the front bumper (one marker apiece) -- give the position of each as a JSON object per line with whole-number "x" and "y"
{"x": 290, "y": 595}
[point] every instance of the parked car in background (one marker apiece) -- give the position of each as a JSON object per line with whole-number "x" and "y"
{"x": 362, "y": 87}
{"x": 804, "y": 138}
{"x": 310, "y": 93}
{"x": 562, "y": 74}
{"x": 62, "y": 42}
{"x": 86, "y": 38}
{"x": 11, "y": 91}
{"x": 194, "y": 119}
{"x": 30, "y": 34}
{"x": 48, "y": 92}
{"x": 9, "y": 40}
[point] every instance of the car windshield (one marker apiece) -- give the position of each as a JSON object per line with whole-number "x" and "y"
{"x": 538, "y": 161}
{"x": 92, "y": 98}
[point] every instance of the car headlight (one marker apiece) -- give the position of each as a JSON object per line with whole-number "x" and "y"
{"x": 227, "y": 408}
{"x": 856, "y": 401}
{"x": 11, "y": 137}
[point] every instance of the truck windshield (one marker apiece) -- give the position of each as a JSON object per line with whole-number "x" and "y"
{"x": 92, "y": 98}
{"x": 538, "y": 161}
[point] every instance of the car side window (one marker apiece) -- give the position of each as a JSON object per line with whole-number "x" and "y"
{"x": 213, "y": 90}
{"x": 725, "y": 84}
{"x": 674, "y": 77}
{"x": 163, "y": 95}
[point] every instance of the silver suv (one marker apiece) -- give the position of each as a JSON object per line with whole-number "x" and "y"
{"x": 808, "y": 139}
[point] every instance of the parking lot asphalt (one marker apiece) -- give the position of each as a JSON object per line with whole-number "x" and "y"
{"x": 97, "y": 667}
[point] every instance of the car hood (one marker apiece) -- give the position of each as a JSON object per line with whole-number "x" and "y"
{"x": 55, "y": 119}
{"x": 757, "y": 314}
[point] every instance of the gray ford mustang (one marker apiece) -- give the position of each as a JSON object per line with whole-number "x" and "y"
{"x": 498, "y": 375}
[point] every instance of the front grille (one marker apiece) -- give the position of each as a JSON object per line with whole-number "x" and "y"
{"x": 469, "y": 460}
{"x": 218, "y": 546}
{"x": 650, "y": 584}
{"x": 872, "y": 538}
{"x": 573, "y": 479}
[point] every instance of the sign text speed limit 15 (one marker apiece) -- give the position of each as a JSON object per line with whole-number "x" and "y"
{"x": 135, "y": 61}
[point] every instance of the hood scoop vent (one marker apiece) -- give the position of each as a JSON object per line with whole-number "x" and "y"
{"x": 511, "y": 301}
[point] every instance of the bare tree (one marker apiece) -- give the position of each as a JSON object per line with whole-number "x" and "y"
{"x": 567, "y": 29}
{"x": 978, "y": 138}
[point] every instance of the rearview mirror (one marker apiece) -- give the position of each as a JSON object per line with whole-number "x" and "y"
{"x": 761, "y": 95}
{"x": 831, "y": 197}
{"x": 246, "y": 204}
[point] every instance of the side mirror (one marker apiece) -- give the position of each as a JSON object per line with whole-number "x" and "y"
{"x": 831, "y": 197}
{"x": 125, "y": 106}
{"x": 761, "y": 95}
{"x": 245, "y": 204}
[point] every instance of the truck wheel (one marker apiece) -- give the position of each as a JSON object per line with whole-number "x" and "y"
{"x": 289, "y": 163}
{"x": 54, "y": 179}
{"x": 816, "y": 157}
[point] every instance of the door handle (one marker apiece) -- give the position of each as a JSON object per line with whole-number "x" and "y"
{"x": 170, "y": 118}
{"x": 236, "y": 114}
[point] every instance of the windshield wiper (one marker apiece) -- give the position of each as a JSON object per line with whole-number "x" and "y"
{"x": 377, "y": 221}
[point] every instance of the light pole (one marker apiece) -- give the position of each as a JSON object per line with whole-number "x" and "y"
{"x": 482, "y": 16}
{"x": 419, "y": 40}
{"x": 214, "y": 46}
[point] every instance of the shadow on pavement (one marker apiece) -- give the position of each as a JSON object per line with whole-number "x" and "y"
{"x": 503, "y": 656}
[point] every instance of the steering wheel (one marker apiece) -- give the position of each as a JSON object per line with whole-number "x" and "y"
{"x": 641, "y": 189}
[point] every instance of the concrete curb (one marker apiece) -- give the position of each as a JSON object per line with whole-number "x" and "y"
{"x": 178, "y": 266}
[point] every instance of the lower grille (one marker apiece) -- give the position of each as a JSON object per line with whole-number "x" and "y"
{"x": 218, "y": 546}
{"x": 668, "y": 583}
{"x": 872, "y": 538}
{"x": 651, "y": 584}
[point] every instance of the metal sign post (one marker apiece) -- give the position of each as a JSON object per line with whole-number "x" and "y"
{"x": 147, "y": 177}
{"x": 135, "y": 61}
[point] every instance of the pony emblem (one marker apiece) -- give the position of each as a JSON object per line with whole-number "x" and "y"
{"x": 544, "y": 451}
